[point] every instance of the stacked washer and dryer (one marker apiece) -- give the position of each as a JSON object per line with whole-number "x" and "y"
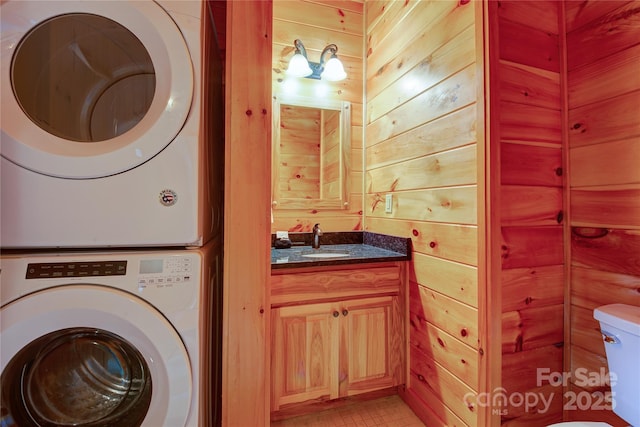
{"x": 110, "y": 214}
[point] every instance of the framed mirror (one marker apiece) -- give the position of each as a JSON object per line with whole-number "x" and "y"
{"x": 311, "y": 153}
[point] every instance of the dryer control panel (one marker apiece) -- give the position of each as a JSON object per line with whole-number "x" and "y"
{"x": 164, "y": 271}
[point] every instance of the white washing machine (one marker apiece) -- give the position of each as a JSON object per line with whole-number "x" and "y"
{"x": 105, "y": 141}
{"x": 118, "y": 339}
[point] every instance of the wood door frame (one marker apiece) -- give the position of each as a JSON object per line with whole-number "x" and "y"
{"x": 247, "y": 265}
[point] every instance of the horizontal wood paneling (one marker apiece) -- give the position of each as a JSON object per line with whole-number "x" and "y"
{"x": 524, "y": 164}
{"x": 401, "y": 30}
{"x": 531, "y": 246}
{"x": 531, "y": 205}
{"x": 588, "y": 361}
{"x": 523, "y": 122}
{"x": 607, "y": 120}
{"x": 456, "y": 92}
{"x": 453, "y": 167}
{"x": 524, "y": 365}
{"x": 431, "y": 380}
{"x": 448, "y": 314}
{"x": 532, "y": 328}
{"x": 610, "y": 33}
{"x": 578, "y": 14}
{"x": 392, "y": 65}
{"x": 618, "y": 251}
{"x": 603, "y": 47}
{"x": 531, "y": 202}
{"x": 421, "y": 134}
{"x": 610, "y": 163}
{"x": 318, "y": 23}
{"x": 523, "y": 368}
{"x": 342, "y": 5}
{"x": 452, "y": 242}
{"x": 385, "y": 16}
{"x": 539, "y": 14}
{"x": 523, "y": 84}
{"x": 448, "y": 132}
{"x": 330, "y": 16}
{"x": 446, "y": 277}
{"x": 606, "y": 78}
{"x": 585, "y": 330}
{"x": 532, "y": 287}
{"x": 537, "y": 415}
{"x": 542, "y": 48}
{"x": 454, "y": 56}
{"x": 455, "y": 204}
{"x": 593, "y": 287}
{"x": 617, "y": 207}
{"x": 456, "y": 357}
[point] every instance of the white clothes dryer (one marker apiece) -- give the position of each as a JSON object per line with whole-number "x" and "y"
{"x": 120, "y": 338}
{"x": 105, "y": 141}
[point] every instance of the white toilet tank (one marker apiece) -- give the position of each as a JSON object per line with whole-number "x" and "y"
{"x": 620, "y": 326}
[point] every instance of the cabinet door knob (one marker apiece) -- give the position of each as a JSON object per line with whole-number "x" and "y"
{"x": 336, "y": 314}
{"x": 345, "y": 312}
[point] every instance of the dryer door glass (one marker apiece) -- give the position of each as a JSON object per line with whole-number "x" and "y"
{"x": 83, "y": 77}
{"x": 76, "y": 377}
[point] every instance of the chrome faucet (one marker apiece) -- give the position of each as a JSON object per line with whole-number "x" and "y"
{"x": 316, "y": 236}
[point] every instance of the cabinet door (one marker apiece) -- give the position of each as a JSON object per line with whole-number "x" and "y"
{"x": 304, "y": 355}
{"x": 371, "y": 345}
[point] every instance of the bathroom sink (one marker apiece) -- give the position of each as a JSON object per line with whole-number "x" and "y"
{"x": 319, "y": 253}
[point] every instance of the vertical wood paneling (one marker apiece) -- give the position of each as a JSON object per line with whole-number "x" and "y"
{"x": 246, "y": 219}
{"x": 603, "y": 47}
{"x": 317, "y": 24}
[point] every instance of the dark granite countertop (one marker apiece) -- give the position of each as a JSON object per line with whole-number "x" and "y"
{"x": 341, "y": 249}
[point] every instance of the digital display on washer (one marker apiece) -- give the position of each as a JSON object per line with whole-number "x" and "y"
{"x": 151, "y": 266}
{"x": 76, "y": 269}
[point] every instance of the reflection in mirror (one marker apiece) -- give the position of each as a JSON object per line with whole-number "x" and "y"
{"x": 311, "y": 153}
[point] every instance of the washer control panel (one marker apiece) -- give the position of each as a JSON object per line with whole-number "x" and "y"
{"x": 45, "y": 270}
{"x": 164, "y": 272}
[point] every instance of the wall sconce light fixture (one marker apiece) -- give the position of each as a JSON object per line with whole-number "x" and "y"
{"x": 331, "y": 69}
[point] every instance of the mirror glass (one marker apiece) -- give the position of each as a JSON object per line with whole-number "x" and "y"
{"x": 311, "y": 153}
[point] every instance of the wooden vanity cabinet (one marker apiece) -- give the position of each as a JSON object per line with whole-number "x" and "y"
{"x": 347, "y": 338}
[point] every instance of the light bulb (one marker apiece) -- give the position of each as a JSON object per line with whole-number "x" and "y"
{"x": 333, "y": 71}
{"x": 299, "y": 66}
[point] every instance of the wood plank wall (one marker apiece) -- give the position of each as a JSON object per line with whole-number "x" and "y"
{"x": 421, "y": 148}
{"x": 300, "y": 132}
{"x": 245, "y": 364}
{"x": 603, "y": 45}
{"x": 318, "y": 23}
{"x": 421, "y": 123}
{"x": 531, "y": 203}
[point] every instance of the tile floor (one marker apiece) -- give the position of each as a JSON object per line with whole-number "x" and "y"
{"x": 388, "y": 411}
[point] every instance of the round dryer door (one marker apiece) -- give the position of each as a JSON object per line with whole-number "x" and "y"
{"x": 85, "y": 355}
{"x": 97, "y": 88}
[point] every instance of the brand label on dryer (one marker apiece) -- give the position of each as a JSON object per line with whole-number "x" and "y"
{"x": 168, "y": 197}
